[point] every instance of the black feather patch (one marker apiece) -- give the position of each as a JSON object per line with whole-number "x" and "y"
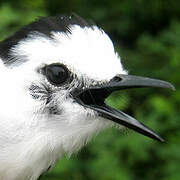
{"x": 43, "y": 25}
{"x": 39, "y": 92}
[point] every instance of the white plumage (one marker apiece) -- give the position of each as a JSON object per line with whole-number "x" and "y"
{"x": 40, "y": 121}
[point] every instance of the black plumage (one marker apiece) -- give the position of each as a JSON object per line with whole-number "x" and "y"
{"x": 43, "y": 25}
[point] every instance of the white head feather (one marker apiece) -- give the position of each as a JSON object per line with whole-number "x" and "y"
{"x": 31, "y": 138}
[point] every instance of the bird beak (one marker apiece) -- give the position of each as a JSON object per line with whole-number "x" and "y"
{"x": 94, "y": 98}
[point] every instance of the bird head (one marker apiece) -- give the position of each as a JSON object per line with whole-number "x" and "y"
{"x": 58, "y": 72}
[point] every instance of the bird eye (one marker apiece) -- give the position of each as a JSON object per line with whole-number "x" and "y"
{"x": 57, "y": 74}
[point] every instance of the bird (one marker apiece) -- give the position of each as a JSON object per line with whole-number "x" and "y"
{"x": 55, "y": 75}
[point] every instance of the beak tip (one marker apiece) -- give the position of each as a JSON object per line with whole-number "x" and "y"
{"x": 164, "y": 84}
{"x": 173, "y": 88}
{"x": 170, "y": 86}
{"x": 162, "y": 140}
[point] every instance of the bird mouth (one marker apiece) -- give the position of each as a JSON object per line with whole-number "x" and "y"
{"x": 94, "y": 98}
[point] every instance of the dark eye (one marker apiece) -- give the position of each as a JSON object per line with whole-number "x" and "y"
{"x": 57, "y": 74}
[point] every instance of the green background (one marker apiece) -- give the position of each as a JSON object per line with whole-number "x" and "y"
{"x": 147, "y": 36}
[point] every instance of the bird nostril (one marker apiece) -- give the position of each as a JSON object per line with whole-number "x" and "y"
{"x": 117, "y": 79}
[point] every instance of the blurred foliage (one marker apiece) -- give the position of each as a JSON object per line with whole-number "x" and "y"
{"x": 147, "y": 36}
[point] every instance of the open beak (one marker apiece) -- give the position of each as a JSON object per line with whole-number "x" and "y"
{"x": 94, "y": 98}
